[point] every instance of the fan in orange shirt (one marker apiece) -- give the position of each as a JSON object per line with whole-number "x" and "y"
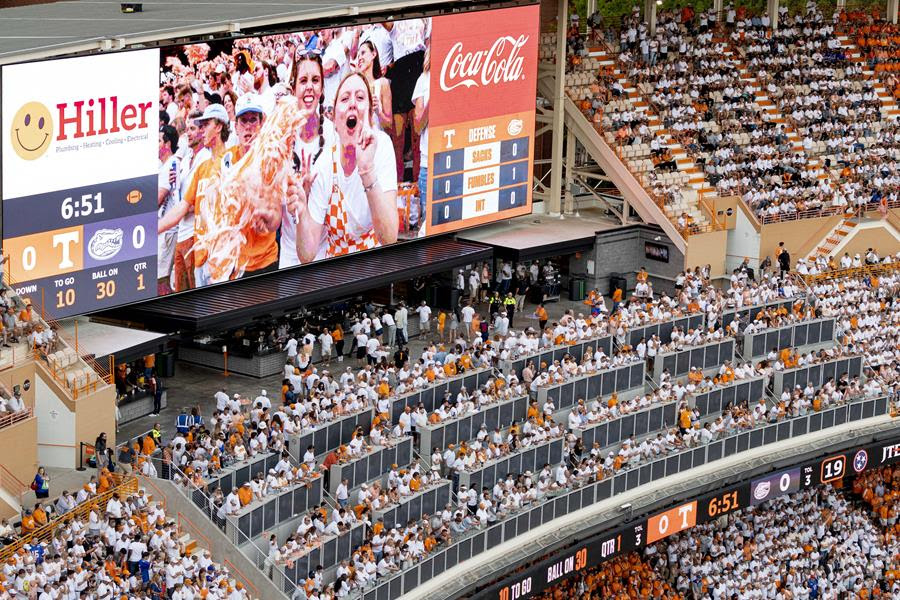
{"x": 231, "y": 193}
{"x": 613, "y": 400}
{"x": 28, "y": 522}
{"x": 148, "y": 446}
{"x": 104, "y": 482}
{"x": 245, "y": 494}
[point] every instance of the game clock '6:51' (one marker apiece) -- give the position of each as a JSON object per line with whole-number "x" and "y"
{"x": 723, "y": 504}
{"x": 88, "y": 204}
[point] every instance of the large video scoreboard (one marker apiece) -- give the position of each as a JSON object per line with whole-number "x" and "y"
{"x": 99, "y": 212}
{"x": 635, "y": 536}
{"x": 80, "y": 180}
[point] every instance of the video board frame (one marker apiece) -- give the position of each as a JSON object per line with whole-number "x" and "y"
{"x": 60, "y": 292}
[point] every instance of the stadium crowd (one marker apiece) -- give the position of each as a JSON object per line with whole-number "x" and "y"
{"x": 241, "y": 428}
{"x": 787, "y": 119}
{"x": 817, "y": 543}
{"x": 128, "y": 548}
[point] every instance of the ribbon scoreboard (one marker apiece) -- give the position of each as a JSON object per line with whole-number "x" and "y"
{"x": 688, "y": 514}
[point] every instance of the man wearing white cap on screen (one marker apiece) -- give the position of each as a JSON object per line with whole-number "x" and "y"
{"x": 214, "y": 126}
{"x": 261, "y": 248}
{"x": 249, "y": 117}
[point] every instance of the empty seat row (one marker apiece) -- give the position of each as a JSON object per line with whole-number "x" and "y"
{"x": 62, "y": 358}
{"x": 741, "y": 139}
{"x": 636, "y": 150}
{"x": 79, "y": 377}
{"x": 673, "y": 178}
{"x": 641, "y": 165}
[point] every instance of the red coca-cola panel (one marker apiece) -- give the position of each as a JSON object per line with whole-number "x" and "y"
{"x": 483, "y": 64}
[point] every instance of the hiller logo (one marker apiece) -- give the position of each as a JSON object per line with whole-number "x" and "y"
{"x": 32, "y": 125}
{"x": 501, "y": 63}
{"x": 101, "y": 116}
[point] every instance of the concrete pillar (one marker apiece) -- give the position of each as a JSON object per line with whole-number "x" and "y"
{"x": 719, "y": 6}
{"x": 842, "y": 3}
{"x": 772, "y": 10}
{"x": 569, "y": 206}
{"x": 591, "y": 7}
{"x": 650, "y": 15}
{"x": 892, "y": 6}
{"x": 556, "y": 165}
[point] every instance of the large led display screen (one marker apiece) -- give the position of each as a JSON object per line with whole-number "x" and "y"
{"x": 132, "y": 175}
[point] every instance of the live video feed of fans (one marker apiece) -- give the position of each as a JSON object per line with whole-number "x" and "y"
{"x": 356, "y": 109}
{"x": 273, "y": 152}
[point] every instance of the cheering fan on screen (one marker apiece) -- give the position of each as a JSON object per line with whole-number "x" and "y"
{"x": 313, "y": 138}
{"x": 346, "y": 202}
{"x": 241, "y": 207}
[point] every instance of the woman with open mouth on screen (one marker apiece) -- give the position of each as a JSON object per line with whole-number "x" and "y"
{"x": 351, "y": 202}
{"x": 313, "y": 139}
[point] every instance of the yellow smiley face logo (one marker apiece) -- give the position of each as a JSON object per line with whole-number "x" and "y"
{"x": 31, "y": 130}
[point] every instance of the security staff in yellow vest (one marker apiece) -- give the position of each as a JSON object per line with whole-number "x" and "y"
{"x": 509, "y": 303}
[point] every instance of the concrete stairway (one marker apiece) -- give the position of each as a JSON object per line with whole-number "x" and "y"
{"x": 889, "y": 109}
{"x": 628, "y": 167}
{"x": 834, "y": 238}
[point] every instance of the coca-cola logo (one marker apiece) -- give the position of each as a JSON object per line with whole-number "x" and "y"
{"x": 501, "y": 63}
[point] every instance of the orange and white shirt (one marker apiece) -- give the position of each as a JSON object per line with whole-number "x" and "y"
{"x": 339, "y": 201}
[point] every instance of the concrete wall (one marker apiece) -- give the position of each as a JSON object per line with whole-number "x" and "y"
{"x": 622, "y": 251}
{"x": 707, "y": 249}
{"x": 880, "y": 238}
{"x": 743, "y": 236}
{"x": 56, "y": 424}
{"x": 18, "y": 375}
{"x": 64, "y": 422}
{"x": 95, "y": 413}
{"x": 18, "y": 449}
{"x": 796, "y": 236}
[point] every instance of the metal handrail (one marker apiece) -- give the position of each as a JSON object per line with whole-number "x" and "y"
{"x": 16, "y": 417}
{"x": 867, "y": 270}
{"x": 233, "y": 569}
{"x": 193, "y": 488}
{"x": 12, "y": 484}
{"x": 812, "y": 213}
{"x": 126, "y": 486}
{"x": 102, "y": 372}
